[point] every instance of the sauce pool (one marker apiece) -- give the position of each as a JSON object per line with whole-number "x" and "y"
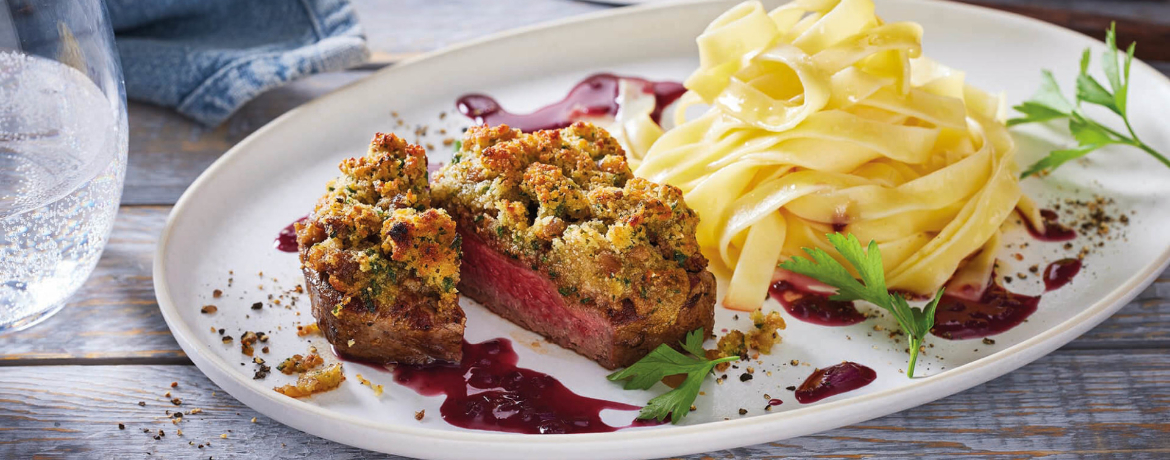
{"x": 1053, "y": 230}
{"x": 487, "y": 391}
{"x": 996, "y": 311}
{"x": 834, "y": 380}
{"x": 594, "y": 96}
{"x": 286, "y": 240}
{"x": 1059, "y": 273}
{"x": 813, "y": 307}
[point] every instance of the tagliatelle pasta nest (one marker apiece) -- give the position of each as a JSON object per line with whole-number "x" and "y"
{"x": 824, "y": 118}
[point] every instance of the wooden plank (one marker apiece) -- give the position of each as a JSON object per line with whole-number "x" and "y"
{"x": 1152, "y": 11}
{"x": 168, "y": 151}
{"x": 115, "y": 316}
{"x": 1110, "y": 403}
{"x": 1151, "y": 31}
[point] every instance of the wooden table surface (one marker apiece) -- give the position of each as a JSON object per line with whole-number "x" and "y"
{"x": 108, "y": 358}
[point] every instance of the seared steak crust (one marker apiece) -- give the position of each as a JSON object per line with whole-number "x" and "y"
{"x": 408, "y": 332}
{"x": 561, "y": 239}
{"x": 380, "y": 267}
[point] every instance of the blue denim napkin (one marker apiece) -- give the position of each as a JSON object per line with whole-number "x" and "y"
{"x": 206, "y": 58}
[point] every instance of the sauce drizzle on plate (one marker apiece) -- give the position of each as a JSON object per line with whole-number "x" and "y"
{"x": 1059, "y": 273}
{"x": 595, "y": 96}
{"x": 286, "y": 240}
{"x": 487, "y": 391}
{"x": 1053, "y": 229}
{"x": 834, "y": 380}
{"x": 997, "y": 310}
{"x": 813, "y": 307}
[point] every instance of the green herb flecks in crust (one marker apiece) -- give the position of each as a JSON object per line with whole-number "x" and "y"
{"x": 663, "y": 362}
{"x": 915, "y": 322}
{"x": 1048, "y": 105}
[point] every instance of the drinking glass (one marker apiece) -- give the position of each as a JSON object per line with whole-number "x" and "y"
{"x": 62, "y": 151}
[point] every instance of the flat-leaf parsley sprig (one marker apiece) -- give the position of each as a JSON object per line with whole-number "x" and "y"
{"x": 1048, "y": 104}
{"x": 663, "y": 362}
{"x": 915, "y": 322}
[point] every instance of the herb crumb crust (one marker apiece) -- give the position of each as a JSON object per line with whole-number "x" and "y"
{"x": 563, "y": 240}
{"x": 556, "y": 198}
{"x": 381, "y": 264}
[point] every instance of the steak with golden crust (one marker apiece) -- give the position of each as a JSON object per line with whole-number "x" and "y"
{"x": 381, "y": 266}
{"x": 560, "y": 238}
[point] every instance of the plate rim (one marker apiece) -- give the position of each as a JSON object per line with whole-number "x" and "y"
{"x": 892, "y": 400}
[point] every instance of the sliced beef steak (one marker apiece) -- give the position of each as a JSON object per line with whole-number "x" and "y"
{"x": 380, "y": 267}
{"x": 408, "y": 332}
{"x": 528, "y": 298}
{"x": 561, "y": 239}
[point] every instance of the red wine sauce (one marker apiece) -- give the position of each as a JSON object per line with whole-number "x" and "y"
{"x": 487, "y": 391}
{"x": 1059, "y": 273}
{"x": 814, "y": 307}
{"x": 834, "y": 380}
{"x": 1053, "y": 230}
{"x": 286, "y": 240}
{"x": 996, "y": 311}
{"x": 594, "y": 96}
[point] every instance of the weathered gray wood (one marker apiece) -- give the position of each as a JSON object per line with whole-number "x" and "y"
{"x": 1157, "y": 11}
{"x": 115, "y": 316}
{"x": 167, "y": 151}
{"x": 1070, "y": 404}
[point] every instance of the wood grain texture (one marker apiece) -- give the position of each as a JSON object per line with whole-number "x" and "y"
{"x": 1154, "y": 37}
{"x": 167, "y": 151}
{"x": 1109, "y": 403}
{"x": 115, "y": 315}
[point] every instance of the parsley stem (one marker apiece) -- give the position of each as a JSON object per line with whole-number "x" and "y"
{"x": 1142, "y": 145}
{"x": 914, "y": 344}
{"x": 1151, "y": 151}
{"x": 1131, "y": 140}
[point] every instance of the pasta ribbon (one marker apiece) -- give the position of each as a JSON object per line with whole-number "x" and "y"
{"x": 822, "y": 117}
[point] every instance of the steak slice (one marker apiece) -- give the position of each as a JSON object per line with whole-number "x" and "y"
{"x": 561, "y": 239}
{"x": 380, "y": 268}
{"x": 614, "y": 336}
{"x": 409, "y": 332}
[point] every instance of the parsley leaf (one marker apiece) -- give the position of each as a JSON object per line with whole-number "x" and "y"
{"x": 663, "y": 362}
{"x": 1048, "y": 104}
{"x": 915, "y": 322}
{"x": 1056, "y": 158}
{"x": 1036, "y": 112}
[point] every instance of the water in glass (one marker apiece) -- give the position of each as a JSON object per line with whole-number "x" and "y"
{"x": 62, "y": 158}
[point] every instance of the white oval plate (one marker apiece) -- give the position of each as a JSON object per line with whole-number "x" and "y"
{"x": 227, "y": 219}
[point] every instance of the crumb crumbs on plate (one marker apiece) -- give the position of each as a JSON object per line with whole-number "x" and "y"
{"x": 377, "y": 388}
